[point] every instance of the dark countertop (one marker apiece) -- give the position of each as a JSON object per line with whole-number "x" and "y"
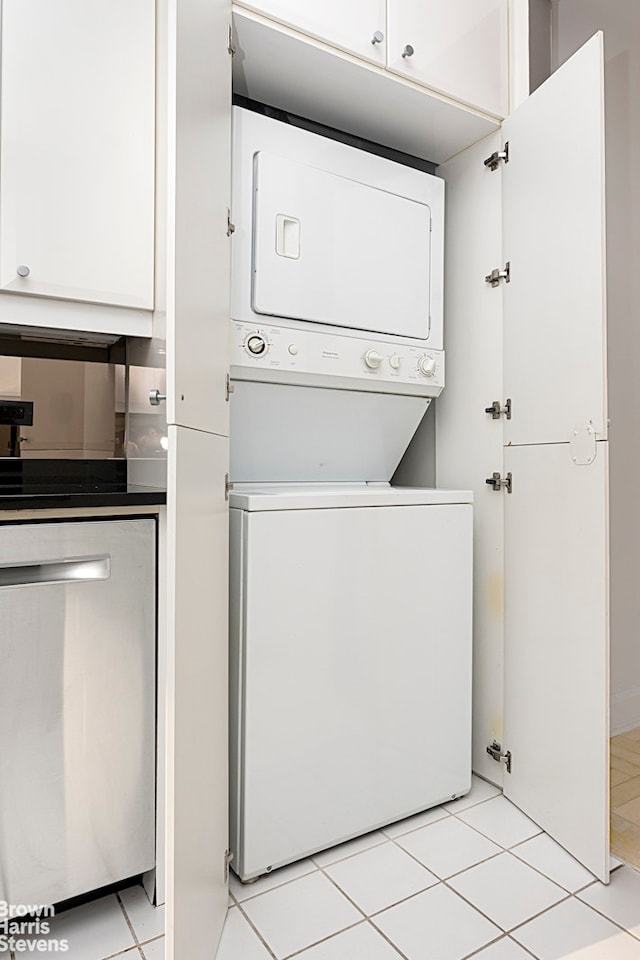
{"x": 51, "y": 484}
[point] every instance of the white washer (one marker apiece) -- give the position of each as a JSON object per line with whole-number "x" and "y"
{"x": 350, "y": 663}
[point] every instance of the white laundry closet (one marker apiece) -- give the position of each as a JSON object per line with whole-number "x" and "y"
{"x": 523, "y": 422}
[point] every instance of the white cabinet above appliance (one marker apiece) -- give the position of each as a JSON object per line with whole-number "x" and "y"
{"x": 77, "y": 155}
{"x": 459, "y": 49}
{"x": 276, "y": 65}
{"x": 455, "y": 48}
{"x": 357, "y": 26}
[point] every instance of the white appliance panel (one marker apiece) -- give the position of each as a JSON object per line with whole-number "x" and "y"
{"x": 331, "y": 250}
{"x": 322, "y": 162}
{"x": 305, "y": 356}
{"x": 287, "y": 433}
{"x": 353, "y": 681}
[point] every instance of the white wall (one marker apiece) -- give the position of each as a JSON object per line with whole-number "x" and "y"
{"x": 573, "y": 22}
{"x": 539, "y": 42}
{"x": 418, "y": 465}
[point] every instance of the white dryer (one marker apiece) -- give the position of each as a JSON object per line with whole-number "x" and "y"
{"x": 336, "y": 305}
{"x": 350, "y": 663}
{"x": 333, "y": 239}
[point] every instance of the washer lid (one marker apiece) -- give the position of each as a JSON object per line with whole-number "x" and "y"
{"x": 315, "y": 497}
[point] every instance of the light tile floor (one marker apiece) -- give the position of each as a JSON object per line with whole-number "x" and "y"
{"x": 625, "y": 796}
{"x": 474, "y": 878}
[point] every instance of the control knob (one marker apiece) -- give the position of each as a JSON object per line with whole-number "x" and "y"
{"x": 256, "y": 344}
{"x": 427, "y": 365}
{"x": 373, "y": 359}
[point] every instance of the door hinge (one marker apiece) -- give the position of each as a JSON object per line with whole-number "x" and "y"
{"x": 496, "y": 409}
{"x": 228, "y": 857}
{"x": 493, "y": 162}
{"x": 497, "y": 275}
{"x": 230, "y": 388}
{"x": 227, "y": 486}
{"x": 231, "y": 47}
{"x": 495, "y": 751}
{"x": 231, "y": 227}
{"x": 497, "y": 483}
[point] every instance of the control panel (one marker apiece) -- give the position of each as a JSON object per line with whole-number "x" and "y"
{"x": 295, "y": 355}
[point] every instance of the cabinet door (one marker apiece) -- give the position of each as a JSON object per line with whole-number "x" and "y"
{"x": 198, "y": 135}
{"x": 352, "y": 25}
{"x": 457, "y": 47}
{"x": 556, "y": 518}
{"x": 77, "y": 150}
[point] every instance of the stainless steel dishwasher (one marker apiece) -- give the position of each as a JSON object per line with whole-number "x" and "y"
{"x": 77, "y": 706}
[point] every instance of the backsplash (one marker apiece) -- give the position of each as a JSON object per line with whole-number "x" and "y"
{"x": 79, "y": 409}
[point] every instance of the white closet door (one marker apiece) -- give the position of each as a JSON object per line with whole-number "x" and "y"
{"x": 556, "y": 518}
{"x": 557, "y": 646}
{"x": 554, "y": 240}
{"x": 199, "y": 249}
{"x": 197, "y": 693}
{"x": 457, "y": 47}
{"x": 349, "y": 24}
{"x": 198, "y": 126}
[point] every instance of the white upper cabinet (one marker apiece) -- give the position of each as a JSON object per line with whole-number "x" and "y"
{"x": 357, "y": 26}
{"x": 77, "y": 150}
{"x": 456, "y": 47}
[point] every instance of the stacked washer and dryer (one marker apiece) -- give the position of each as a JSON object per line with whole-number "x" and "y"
{"x": 350, "y": 614}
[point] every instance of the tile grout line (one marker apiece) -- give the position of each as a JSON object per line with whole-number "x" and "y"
{"x": 504, "y": 935}
{"x": 495, "y": 922}
{"x": 451, "y": 875}
{"x": 545, "y": 876}
{"x": 384, "y": 936}
{"x": 472, "y": 905}
{"x": 610, "y": 919}
{"x": 506, "y": 938}
{"x": 316, "y": 943}
{"x": 126, "y": 917}
{"x": 486, "y": 859}
{"x": 256, "y": 931}
{"x": 369, "y": 916}
{"x": 350, "y": 856}
{"x": 123, "y": 953}
{"x": 578, "y": 900}
{"x": 487, "y": 837}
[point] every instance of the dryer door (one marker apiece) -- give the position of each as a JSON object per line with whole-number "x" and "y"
{"x": 335, "y": 251}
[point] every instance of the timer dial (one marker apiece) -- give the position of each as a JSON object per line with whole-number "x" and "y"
{"x": 427, "y": 365}
{"x": 373, "y": 359}
{"x": 256, "y": 344}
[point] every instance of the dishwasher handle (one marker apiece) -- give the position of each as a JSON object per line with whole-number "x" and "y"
{"x": 70, "y": 570}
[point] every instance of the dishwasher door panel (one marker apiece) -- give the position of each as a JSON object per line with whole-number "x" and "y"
{"x": 77, "y": 706}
